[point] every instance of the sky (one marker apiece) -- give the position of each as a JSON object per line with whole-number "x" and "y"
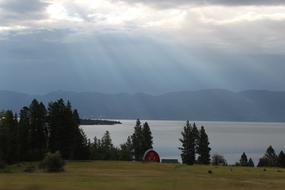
{"x": 150, "y": 46}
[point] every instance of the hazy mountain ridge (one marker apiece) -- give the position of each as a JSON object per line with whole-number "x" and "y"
{"x": 211, "y": 105}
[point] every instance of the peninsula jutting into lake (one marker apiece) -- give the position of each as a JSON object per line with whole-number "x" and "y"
{"x": 98, "y": 122}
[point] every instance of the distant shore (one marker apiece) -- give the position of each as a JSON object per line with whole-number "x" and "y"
{"x": 98, "y": 122}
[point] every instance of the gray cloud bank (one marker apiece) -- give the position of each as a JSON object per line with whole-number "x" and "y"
{"x": 26, "y": 6}
{"x": 173, "y": 3}
{"x": 15, "y": 10}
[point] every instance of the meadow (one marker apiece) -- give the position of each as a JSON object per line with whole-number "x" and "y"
{"x": 146, "y": 176}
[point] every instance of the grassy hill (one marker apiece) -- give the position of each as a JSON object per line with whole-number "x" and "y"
{"x": 145, "y": 176}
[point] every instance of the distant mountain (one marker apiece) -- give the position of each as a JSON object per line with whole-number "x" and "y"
{"x": 206, "y": 105}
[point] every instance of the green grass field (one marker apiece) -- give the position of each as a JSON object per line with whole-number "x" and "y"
{"x": 130, "y": 175}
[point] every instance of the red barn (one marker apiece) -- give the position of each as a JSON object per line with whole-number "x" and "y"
{"x": 151, "y": 156}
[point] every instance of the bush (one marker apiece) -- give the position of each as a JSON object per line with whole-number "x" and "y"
{"x": 30, "y": 169}
{"x": 218, "y": 160}
{"x": 2, "y": 165}
{"x": 53, "y": 162}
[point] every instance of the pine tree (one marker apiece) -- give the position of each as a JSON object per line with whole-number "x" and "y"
{"x": 56, "y": 127}
{"x": 137, "y": 139}
{"x": 81, "y": 146}
{"x": 196, "y": 135}
{"x": 103, "y": 149}
{"x": 126, "y": 153}
{"x": 3, "y": 137}
{"x": 263, "y": 162}
{"x": 38, "y": 131}
{"x": 243, "y": 160}
{"x": 203, "y": 148}
{"x": 9, "y": 137}
{"x": 188, "y": 145}
{"x": 95, "y": 149}
{"x": 281, "y": 159}
{"x": 107, "y": 147}
{"x": 250, "y": 163}
{"x": 270, "y": 158}
{"x": 64, "y": 132}
{"x": 147, "y": 137}
{"x": 24, "y": 128}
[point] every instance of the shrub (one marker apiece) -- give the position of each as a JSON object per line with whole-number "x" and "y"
{"x": 30, "y": 169}
{"x": 53, "y": 162}
{"x": 218, "y": 160}
{"x": 2, "y": 165}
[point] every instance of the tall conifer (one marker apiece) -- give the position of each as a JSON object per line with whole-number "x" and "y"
{"x": 188, "y": 145}
{"x": 203, "y": 148}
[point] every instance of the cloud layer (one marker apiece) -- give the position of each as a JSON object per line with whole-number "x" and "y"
{"x": 210, "y": 2}
{"x": 218, "y": 43}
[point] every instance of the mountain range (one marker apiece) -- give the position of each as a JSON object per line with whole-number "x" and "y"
{"x": 202, "y": 105}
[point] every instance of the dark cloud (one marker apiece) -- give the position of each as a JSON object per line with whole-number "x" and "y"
{"x": 15, "y": 10}
{"x": 26, "y": 6}
{"x": 174, "y": 3}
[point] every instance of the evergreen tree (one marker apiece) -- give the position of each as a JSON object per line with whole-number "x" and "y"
{"x": 263, "y": 162}
{"x": 81, "y": 145}
{"x": 24, "y": 129}
{"x": 109, "y": 152}
{"x": 3, "y": 137}
{"x": 9, "y": 137}
{"x": 281, "y": 159}
{"x": 243, "y": 160}
{"x": 137, "y": 139}
{"x": 95, "y": 150}
{"x": 203, "y": 148}
{"x": 126, "y": 153}
{"x": 196, "y": 135}
{"x": 188, "y": 145}
{"x": 64, "y": 132}
{"x": 250, "y": 163}
{"x": 270, "y": 158}
{"x": 38, "y": 131}
{"x": 147, "y": 137}
{"x": 103, "y": 149}
{"x": 76, "y": 116}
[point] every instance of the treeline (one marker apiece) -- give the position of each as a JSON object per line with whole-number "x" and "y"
{"x": 270, "y": 159}
{"x": 38, "y": 130}
{"x": 136, "y": 145}
{"x": 195, "y": 150}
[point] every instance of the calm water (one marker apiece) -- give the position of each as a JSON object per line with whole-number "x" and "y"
{"x": 227, "y": 138}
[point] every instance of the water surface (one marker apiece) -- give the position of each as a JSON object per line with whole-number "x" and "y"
{"x": 230, "y": 139}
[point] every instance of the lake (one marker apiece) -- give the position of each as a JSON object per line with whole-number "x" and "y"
{"x": 229, "y": 139}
